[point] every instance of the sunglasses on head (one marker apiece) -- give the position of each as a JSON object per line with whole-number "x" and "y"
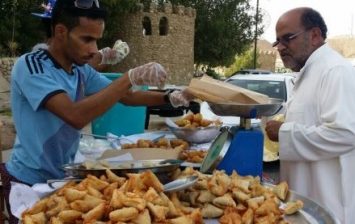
{"x": 86, "y": 4}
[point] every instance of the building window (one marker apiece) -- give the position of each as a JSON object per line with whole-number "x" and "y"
{"x": 147, "y": 26}
{"x": 163, "y": 26}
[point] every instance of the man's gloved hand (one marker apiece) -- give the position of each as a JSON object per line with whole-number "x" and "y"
{"x": 180, "y": 98}
{"x": 112, "y": 56}
{"x": 152, "y": 74}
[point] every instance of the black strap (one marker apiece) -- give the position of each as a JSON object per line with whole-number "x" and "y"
{"x": 167, "y": 96}
{"x": 80, "y": 88}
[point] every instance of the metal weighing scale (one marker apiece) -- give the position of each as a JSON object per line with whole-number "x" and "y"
{"x": 241, "y": 147}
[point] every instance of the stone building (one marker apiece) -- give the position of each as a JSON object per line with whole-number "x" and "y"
{"x": 267, "y": 59}
{"x": 164, "y": 35}
{"x": 266, "y": 55}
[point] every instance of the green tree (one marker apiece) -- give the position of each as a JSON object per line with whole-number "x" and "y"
{"x": 224, "y": 28}
{"x": 242, "y": 61}
{"x": 21, "y": 29}
{"x": 18, "y": 27}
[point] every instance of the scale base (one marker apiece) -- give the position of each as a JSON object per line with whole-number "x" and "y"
{"x": 245, "y": 154}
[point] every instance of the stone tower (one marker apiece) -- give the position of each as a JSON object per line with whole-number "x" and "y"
{"x": 164, "y": 35}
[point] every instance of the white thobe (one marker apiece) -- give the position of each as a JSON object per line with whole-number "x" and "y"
{"x": 317, "y": 140}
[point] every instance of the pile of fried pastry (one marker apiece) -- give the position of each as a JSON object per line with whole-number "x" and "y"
{"x": 194, "y": 156}
{"x": 162, "y": 143}
{"x": 140, "y": 199}
{"x": 191, "y": 120}
{"x": 237, "y": 199}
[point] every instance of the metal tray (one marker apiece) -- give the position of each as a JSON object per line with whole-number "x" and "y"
{"x": 196, "y": 135}
{"x": 312, "y": 213}
{"x": 247, "y": 110}
{"x": 163, "y": 169}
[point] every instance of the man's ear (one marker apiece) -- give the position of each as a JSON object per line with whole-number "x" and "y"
{"x": 60, "y": 30}
{"x": 316, "y": 36}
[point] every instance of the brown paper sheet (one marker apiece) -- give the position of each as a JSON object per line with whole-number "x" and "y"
{"x": 143, "y": 153}
{"x": 215, "y": 91}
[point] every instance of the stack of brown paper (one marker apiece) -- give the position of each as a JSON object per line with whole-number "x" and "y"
{"x": 215, "y": 91}
{"x": 143, "y": 153}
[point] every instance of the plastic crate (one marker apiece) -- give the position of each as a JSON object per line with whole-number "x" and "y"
{"x": 120, "y": 119}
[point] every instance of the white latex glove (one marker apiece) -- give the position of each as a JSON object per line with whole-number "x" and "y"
{"x": 152, "y": 74}
{"x": 112, "y": 56}
{"x": 180, "y": 98}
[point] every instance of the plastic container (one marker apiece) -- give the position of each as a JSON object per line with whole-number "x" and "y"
{"x": 120, "y": 119}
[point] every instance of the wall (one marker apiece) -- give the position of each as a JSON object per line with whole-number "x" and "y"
{"x": 175, "y": 51}
{"x": 5, "y": 71}
{"x": 267, "y": 60}
{"x": 7, "y": 133}
{"x": 6, "y": 66}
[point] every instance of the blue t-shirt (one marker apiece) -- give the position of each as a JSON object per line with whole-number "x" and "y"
{"x": 44, "y": 142}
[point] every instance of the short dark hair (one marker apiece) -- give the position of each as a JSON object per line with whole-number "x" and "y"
{"x": 47, "y": 26}
{"x": 311, "y": 18}
{"x": 65, "y": 12}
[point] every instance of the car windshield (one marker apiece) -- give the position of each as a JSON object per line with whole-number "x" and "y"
{"x": 274, "y": 89}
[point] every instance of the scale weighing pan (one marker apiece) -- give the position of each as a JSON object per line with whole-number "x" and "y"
{"x": 247, "y": 110}
{"x": 241, "y": 148}
{"x": 217, "y": 151}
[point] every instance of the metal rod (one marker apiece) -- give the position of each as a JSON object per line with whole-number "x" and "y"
{"x": 100, "y": 136}
{"x": 256, "y": 31}
{"x": 245, "y": 123}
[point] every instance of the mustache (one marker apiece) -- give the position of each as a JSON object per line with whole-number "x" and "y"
{"x": 284, "y": 53}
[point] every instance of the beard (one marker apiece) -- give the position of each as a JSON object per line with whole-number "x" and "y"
{"x": 294, "y": 60}
{"x": 295, "y": 57}
{"x": 291, "y": 63}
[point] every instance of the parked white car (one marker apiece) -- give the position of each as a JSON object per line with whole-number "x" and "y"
{"x": 273, "y": 85}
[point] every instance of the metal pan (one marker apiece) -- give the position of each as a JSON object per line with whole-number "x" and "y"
{"x": 312, "y": 212}
{"x": 163, "y": 169}
{"x": 247, "y": 110}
